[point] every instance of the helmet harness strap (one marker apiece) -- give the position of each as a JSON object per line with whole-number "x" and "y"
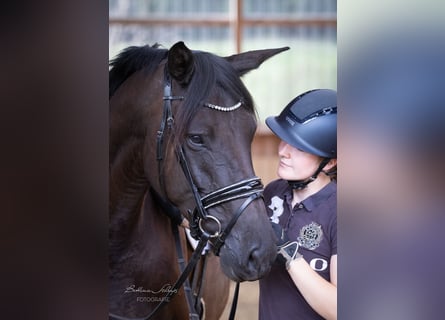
{"x": 301, "y": 184}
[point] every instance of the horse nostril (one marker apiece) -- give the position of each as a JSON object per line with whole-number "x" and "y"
{"x": 254, "y": 258}
{"x": 258, "y": 262}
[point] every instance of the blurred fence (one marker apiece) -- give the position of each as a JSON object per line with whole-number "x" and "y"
{"x": 225, "y": 27}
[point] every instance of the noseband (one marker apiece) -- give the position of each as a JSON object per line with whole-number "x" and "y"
{"x": 250, "y": 188}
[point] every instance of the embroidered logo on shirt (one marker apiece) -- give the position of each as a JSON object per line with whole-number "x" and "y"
{"x": 310, "y": 236}
{"x": 276, "y": 205}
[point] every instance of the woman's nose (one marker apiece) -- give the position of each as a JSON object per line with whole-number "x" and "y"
{"x": 283, "y": 149}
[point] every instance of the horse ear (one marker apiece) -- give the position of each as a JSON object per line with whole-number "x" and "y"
{"x": 180, "y": 63}
{"x": 246, "y": 61}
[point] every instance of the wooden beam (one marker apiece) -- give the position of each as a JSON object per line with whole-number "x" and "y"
{"x": 318, "y": 21}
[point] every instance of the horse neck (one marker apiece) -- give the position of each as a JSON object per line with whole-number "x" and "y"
{"x": 128, "y": 186}
{"x": 143, "y": 258}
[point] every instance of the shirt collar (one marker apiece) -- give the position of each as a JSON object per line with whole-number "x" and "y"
{"x": 315, "y": 199}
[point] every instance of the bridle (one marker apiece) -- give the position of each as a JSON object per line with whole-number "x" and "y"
{"x": 249, "y": 189}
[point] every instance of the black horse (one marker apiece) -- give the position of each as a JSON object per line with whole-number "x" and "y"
{"x": 181, "y": 127}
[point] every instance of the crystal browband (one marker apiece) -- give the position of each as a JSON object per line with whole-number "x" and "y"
{"x": 225, "y": 109}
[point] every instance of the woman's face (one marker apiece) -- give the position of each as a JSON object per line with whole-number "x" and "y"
{"x": 296, "y": 164}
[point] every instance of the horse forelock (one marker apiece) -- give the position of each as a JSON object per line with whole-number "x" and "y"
{"x": 213, "y": 76}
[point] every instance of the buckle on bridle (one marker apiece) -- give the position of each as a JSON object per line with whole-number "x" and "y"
{"x": 216, "y": 233}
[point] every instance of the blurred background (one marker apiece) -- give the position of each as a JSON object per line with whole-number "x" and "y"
{"x": 226, "y": 27}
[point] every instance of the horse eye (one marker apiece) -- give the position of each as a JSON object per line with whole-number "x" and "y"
{"x": 196, "y": 139}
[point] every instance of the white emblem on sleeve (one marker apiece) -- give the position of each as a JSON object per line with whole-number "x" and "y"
{"x": 318, "y": 264}
{"x": 276, "y": 205}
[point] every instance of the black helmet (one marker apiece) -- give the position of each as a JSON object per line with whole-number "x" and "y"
{"x": 309, "y": 123}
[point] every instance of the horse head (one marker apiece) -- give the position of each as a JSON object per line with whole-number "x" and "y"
{"x": 212, "y": 130}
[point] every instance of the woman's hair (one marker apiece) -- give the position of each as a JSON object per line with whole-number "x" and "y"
{"x": 332, "y": 173}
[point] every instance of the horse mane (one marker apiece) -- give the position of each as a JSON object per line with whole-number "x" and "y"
{"x": 210, "y": 72}
{"x": 131, "y": 60}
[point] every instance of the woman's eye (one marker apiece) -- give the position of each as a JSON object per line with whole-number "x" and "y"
{"x": 196, "y": 139}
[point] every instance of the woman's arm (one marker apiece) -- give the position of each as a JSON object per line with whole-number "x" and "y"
{"x": 319, "y": 293}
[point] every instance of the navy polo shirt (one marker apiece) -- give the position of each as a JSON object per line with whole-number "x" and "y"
{"x": 313, "y": 223}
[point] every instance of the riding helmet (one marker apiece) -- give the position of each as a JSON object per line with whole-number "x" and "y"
{"x": 309, "y": 123}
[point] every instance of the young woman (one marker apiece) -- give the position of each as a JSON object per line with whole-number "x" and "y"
{"x": 302, "y": 207}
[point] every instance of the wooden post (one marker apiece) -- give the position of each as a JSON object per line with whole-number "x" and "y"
{"x": 238, "y": 21}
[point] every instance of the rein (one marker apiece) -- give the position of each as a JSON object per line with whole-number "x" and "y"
{"x": 249, "y": 189}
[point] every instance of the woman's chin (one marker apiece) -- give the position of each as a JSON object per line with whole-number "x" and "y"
{"x": 283, "y": 174}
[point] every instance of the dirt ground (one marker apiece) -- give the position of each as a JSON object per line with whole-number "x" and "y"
{"x": 247, "y": 303}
